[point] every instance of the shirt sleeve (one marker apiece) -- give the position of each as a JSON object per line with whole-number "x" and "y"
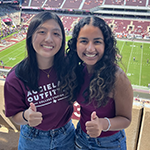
{"x": 14, "y": 95}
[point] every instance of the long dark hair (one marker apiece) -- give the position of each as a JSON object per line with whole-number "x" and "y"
{"x": 103, "y": 79}
{"x": 27, "y": 70}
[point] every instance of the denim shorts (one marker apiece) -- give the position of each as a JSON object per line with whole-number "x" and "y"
{"x": 56, "y": 139}
{"x": 114, "y": 142}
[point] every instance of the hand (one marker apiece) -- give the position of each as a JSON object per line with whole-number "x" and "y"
{"x": 34, "y": 118}
{"x": 93, "y": 127}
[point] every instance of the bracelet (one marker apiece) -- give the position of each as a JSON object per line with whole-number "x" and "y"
{"x": 108, "y": 125}
{"x": 23, "y": 116}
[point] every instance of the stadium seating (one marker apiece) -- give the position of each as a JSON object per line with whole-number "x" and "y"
{"x": 114, "y": 2}
{"x": 136, "y": 3}
{"x": 121, "y": 25}
{"x": 72, "y": 4}
{"x": 25, "y": 3}
{"x": 134, "y": 26}
{"x": 37, "y": 3}
{"x": 69, "y": 22}
{"x": 84, "y": 4}
{"x": 140, "y": 26}
{"x": 149, "y": 3}
{"x": 88, "y": 4}
{"x": 26, "y": 17}
{"x": 53, "y": 3}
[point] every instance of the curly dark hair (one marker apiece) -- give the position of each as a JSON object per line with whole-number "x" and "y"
{"x": 27, "y": 70}
{"x": 103, "y": 79}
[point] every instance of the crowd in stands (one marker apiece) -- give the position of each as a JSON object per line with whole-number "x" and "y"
{"x": 122, "y": 28}
{"x": 8, "y": 30}
{"x": 5, "y": 10}
{"x": 5, "y": 31}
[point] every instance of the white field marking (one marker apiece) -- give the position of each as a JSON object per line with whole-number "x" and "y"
{"x": 133, "y": 46}
{"x": 17, "y": 62}
{"x": 12, "y": 58}
{"x": 128, "y": 74}
{"x": 122, "y": 47}
{"x": 130, "y": 57}
{"x": 141, "y": 65}
{"x": 11, "y": 52}
{"x": 7, "y": 48}
{"x": 15, "y": 57}
{"x": 15, "y": 39}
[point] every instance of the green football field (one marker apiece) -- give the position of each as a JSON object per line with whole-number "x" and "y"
{"x": 138, "y": 70}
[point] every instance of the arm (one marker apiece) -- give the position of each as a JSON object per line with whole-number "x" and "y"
{"x": 123, "y": 96}
{"x": 14, "y": 94}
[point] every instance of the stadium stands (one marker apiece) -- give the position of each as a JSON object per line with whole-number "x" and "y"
{"x": 37, "y": 3}
{"x": 69, "y": 22}
{"x": 148, "y": 3}
{"x": 69, "y": 4}
{"x": 134, "y": 26}
{"x": 88, "y": 4}
{"x": 121, "y": 25}
{"x": 26, "y": 3}
{"x": 53, "y": 3}
{"x": 136, "y": 2}
{"x": 26, "y": 17}
{"x": 85, "y": 4}
{"x": 114, "y": 2}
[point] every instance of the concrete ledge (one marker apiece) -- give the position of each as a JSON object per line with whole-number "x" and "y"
{"x": 144, "y": 137}
{"x": 3, "y": 119}
{"x": 8, "y": 139}
{"x": 132, "y": 132}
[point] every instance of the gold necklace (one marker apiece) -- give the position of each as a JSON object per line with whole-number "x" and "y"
{"x": 48, "y": 72}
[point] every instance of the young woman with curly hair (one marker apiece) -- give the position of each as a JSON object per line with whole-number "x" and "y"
{"x": 99, "y": 85}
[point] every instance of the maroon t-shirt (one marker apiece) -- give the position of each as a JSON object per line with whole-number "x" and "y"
{"x": 87, "y": 109}
{"x": 56, "y": 111}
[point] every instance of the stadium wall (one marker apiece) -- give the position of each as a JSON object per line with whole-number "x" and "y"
{"x": 137, "y": 133}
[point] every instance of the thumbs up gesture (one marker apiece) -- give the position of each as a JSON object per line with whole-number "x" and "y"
{"x": 93, "y": 127}
{"x": 33, "y": 116}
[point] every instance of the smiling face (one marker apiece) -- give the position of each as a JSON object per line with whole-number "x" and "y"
{"x": 90, "y": 45}
{"x": 47, "y": 40}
